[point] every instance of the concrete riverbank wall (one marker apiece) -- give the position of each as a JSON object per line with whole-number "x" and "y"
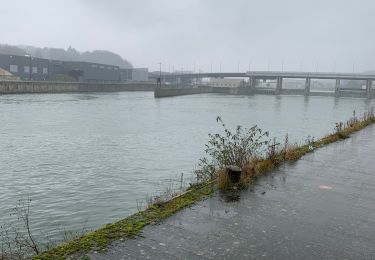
{"x": 20, "y": 87}
{"x": 173, "y": 91}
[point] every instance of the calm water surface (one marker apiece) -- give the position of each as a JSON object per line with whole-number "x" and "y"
{"x": 85, "y": 159}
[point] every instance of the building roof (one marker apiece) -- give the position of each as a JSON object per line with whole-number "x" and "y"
{"x": 4, "y": 73}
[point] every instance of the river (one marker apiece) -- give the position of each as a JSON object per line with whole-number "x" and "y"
{"x": 85, "y": 159}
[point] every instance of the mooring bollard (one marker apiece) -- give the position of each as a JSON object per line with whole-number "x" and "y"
{"x": 234, "y": 173}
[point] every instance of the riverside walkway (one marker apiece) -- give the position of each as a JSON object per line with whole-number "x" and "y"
{"x": 320, "y": 207}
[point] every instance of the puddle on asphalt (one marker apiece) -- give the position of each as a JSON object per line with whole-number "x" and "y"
{"x": 232, "y": 195}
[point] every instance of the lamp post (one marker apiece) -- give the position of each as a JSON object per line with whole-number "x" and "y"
{"x": 29, "y": 56}
{"x": 159, "y": 79}
{"x": 48, "y": 68}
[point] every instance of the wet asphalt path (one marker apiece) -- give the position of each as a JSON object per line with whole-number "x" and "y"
{"x": 321, "y": 207}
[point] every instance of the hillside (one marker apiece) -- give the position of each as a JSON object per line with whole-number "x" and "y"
{"x": 70, "y": 54}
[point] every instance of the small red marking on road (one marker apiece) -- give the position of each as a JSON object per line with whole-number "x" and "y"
{"x": 324, "y": 187}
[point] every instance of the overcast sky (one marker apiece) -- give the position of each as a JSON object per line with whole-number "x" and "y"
{"x": 323, "y": 35}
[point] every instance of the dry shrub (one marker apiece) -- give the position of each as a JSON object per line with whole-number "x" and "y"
{"x": 263, "y": 166}
{"x": 293, "y": 153}
{"x": 248, "y": 173}
{"x": 330, "y": 139}
{"x": 248, "y": 170}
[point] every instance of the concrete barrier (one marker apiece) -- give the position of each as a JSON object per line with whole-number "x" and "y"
{"x": 20, "y": 87}
{"x": 299, "y": 92}
{"x": 225, "y": 90}
{"x": 172, "y": 92}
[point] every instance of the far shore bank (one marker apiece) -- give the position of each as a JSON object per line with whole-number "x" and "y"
{"x": 28, "y": 87}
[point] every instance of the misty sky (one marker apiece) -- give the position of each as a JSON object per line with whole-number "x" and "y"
{"x": 330, "y": 35}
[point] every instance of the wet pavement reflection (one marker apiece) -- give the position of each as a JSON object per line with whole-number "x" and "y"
{"x": 320, "y": 207}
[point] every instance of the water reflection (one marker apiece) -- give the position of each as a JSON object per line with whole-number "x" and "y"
{"x": 102, "y": 152}
{"x": 336, "y": 101}
{"x": 278, "y": 101}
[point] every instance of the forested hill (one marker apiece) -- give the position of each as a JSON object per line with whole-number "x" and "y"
{"x": 70, "y": 54}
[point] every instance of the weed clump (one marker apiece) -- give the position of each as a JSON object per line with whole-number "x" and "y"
{"x": 264, "y": 166}
{"x": 252, "y": 150}
{"x": 230, "y": 148}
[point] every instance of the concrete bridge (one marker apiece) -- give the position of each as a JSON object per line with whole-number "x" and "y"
{"x": 255, "y": 76}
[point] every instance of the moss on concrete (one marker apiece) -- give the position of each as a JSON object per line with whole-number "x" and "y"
{"x": 126, "y": 228}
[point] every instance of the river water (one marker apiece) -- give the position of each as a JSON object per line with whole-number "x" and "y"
{"x": 85, "y": 159}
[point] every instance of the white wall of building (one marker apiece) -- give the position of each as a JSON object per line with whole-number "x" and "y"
{"x": 225, "y": 82}
{"x": 140, "y": 74}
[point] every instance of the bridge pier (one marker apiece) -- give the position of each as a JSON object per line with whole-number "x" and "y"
{"x": 252, "y": 82}
{"x": 279, "y": 85}
{"x": 337, "y": 88}
{"x": 369, "y": 87}
{"x": 307, "y": 86}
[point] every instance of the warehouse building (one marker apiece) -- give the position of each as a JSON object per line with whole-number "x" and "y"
{"x": 25, "y": 67}
{"x": 86, "y": 71}
{"x": 134, "y": 74}
{"x": 36, "y": 69}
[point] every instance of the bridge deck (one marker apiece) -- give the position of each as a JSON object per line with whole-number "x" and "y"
{"x": 275, "y": 74}
{"x": 321, "y": 207}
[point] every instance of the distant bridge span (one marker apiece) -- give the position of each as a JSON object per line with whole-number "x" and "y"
{"x": 254, "y": 76}
{"x": 273, "y": 75}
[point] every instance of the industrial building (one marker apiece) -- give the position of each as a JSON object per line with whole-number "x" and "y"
{"x": 85, "y": 71}
{"x": 25, "y": 67}
{"x": 226, "y": 82}
{"x": 36, "y": 69}
{"x": 134, "y": 74}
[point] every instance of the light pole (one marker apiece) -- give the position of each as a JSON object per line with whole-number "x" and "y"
{"x": 29, "y": 56}
{"x": 158, "y": 82}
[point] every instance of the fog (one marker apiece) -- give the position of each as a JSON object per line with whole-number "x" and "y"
{"x": 198, "y": 35}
